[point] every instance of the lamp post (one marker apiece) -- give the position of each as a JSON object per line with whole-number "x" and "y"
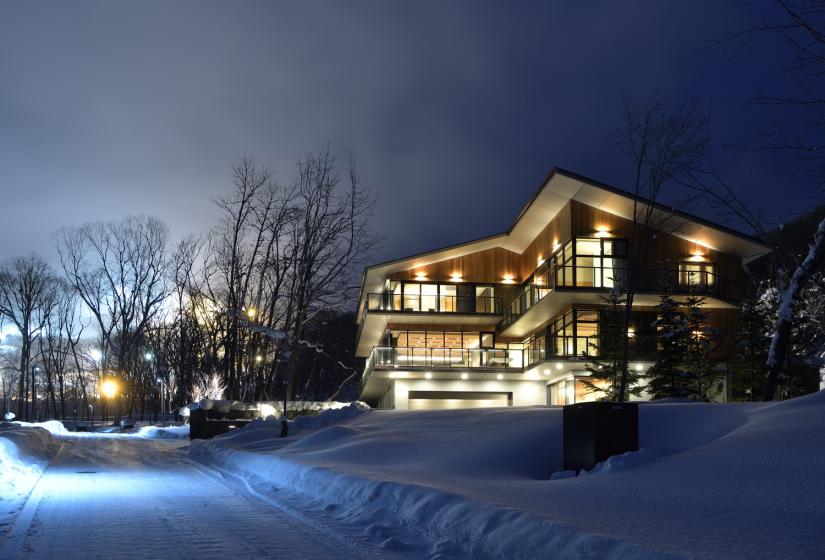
{"x": 108, "y": 389}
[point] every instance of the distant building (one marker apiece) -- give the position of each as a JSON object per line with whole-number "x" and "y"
{"x": 504, "y": 320}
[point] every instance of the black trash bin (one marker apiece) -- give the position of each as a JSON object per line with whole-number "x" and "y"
{"x": 595, "y": 431}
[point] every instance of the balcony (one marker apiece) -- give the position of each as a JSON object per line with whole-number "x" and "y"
{"x": 383, "y": 309}
{"x": 441, "y": 358}
{"x": 468, "y": 305}
{"x": 593, "y": 283}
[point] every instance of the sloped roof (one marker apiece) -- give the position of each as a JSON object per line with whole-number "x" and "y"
{"x": 558, "y": 188}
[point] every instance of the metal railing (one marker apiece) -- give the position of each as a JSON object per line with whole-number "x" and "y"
{"x": 401, "y": 356}
{"x": 705, "y": 283}
{"x": 407, "y": 303}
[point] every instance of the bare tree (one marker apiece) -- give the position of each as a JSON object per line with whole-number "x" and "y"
{"x": 28, "y": 289}
{"x": 663, "y": 145}
{"x": 119, "y": 271}
{"x": 329, "y": 239}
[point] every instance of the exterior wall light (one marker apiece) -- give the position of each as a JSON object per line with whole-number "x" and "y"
{"x": 428, "y": 375}
{"x": 420, "y": 276}
{"x": 499, "y": 377}
{"x": 602, "y": 231}
{"x": 559, "y": 365}
{"x": 508, "y": 279}
{"x": 456, "y": 277}
{"x": 464, "y": 376}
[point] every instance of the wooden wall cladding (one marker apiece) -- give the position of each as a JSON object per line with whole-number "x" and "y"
{"x": 485, "y": 267}
{"x": 557, "y": 231}
{"x": 576, "y": 220}
{"x": 666, "y": 251}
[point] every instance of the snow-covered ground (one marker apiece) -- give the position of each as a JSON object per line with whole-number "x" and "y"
{"x": 711, "y": 480}
{"x": 25, "y": 451}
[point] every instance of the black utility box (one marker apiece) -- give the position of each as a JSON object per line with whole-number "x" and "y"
{"x": 201, "y": 426}
{"x": 595, "y": 431}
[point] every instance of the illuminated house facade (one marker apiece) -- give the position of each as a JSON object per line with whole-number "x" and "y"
{"x": 504, "y": 320}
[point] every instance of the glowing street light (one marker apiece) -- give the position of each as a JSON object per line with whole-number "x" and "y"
{"x": 109, "y": 388}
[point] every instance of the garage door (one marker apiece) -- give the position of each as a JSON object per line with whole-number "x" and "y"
{"x": 437, "y": 400}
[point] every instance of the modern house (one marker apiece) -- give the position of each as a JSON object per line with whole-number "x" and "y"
{"x": 504, "y": 320}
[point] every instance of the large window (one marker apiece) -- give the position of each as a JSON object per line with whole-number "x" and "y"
{"x": 428, "y": 297}
{"x": 431, "y": 348}
{"x": 697, "y": 274}
{"x": 575, "y": 333}
{"x": 590, "y": 263}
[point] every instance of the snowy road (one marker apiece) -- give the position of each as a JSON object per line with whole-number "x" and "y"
{"x": 125, "y": 497}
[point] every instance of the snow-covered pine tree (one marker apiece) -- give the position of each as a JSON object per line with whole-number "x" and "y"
{"x": 667, "y": 378}
{"x": 699, "y": 340}
{"x": 604, "y": 360}
{"x": 752, "y": 339}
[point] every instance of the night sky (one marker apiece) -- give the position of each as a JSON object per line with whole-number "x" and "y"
{"x": 455, "y": 110}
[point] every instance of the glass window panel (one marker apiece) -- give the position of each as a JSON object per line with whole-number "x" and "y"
{"x": 447, "y": 298}
{"x": 435, "y": 339}
{"x": 588, "y": 315}
{"x": 412, "y": 296}
{"x": 396, "y": 297}
{"x": 588, "y": 247}
{"x": 485, "y": 299}
{"x": 452, "y": 340}
{"x": 487, "y": 340}
{"x": 471, "y": 339}
{"x": 429, "y": 297}
{"x": 416, "y": 339}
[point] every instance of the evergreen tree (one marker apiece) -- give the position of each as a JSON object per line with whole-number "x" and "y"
{"x": 604, "y": 359}
{"x": 699, "y": 339}
{"x": 667, "y": 378}
{"x": 747, "y": 373}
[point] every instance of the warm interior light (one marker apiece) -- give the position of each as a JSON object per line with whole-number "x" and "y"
{"x": 602, "y": 231}
{"x": 556, "y": 245}
{"x": 631, "y": 332}
{"x": 540, "y": 260}
{"x": 539, "y": 281}
{"x": 420, "y": 275}
{"x": 508, "y": 278}
{"x": 456, "y": 277}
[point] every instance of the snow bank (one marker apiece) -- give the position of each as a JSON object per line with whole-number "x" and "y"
{"x": 25, "y": 452}
{"x": 163, "y": 432}
{"x": 54, "y": 427}
{"x": 711, "y": 480}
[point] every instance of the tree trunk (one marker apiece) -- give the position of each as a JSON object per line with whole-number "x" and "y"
{"x": 785, "y": 315}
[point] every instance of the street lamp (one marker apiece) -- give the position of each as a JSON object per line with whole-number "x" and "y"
{"x": 108, "y": 389}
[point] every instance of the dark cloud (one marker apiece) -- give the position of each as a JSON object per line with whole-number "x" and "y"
{"x": 455, "y": 110}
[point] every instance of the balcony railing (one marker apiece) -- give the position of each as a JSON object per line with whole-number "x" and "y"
{"x": 406, "y": 357}
{"x": 705, "y": 283}
{"x": 433, "y": 304}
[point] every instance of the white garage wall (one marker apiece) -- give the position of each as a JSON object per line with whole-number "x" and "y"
{"x": 525, "y": 393}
